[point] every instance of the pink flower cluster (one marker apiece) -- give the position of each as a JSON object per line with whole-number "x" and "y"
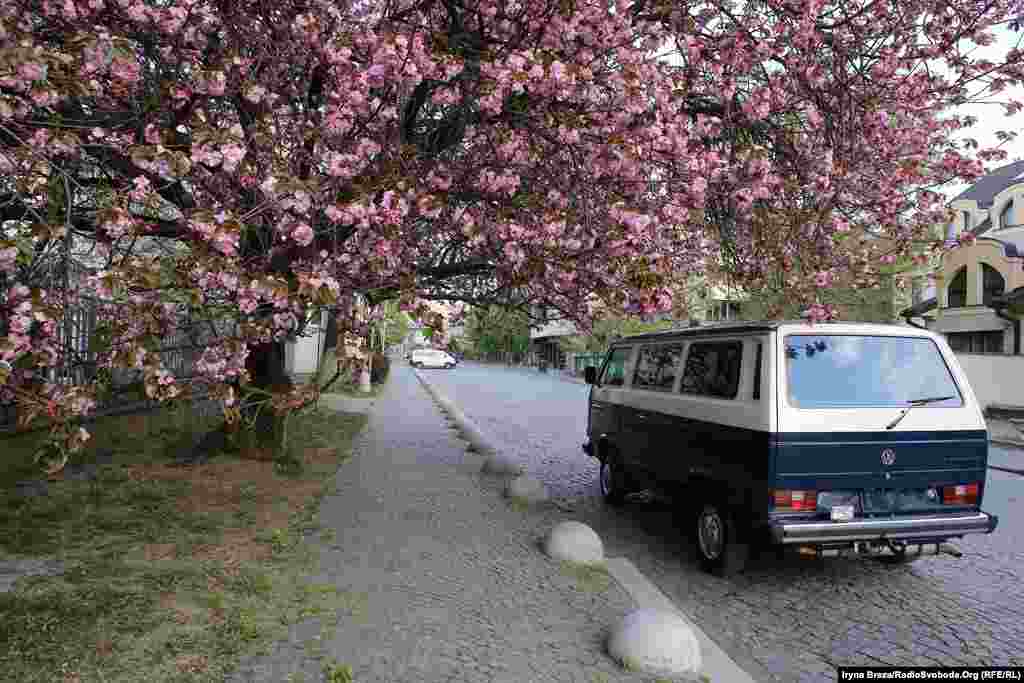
{"x": 223, "y": 363}
{"x": 8, "y": 259}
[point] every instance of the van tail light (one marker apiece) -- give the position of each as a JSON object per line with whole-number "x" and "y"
{"x": 796, "y": 501}
{"x": 961, "y": 494}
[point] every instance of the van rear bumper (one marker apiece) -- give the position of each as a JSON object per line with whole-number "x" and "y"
{"x": 904, "y": 528}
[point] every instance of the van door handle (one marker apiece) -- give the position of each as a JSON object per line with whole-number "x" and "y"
{"x": 597, "y": 406}
{"x": 642, "y": 416}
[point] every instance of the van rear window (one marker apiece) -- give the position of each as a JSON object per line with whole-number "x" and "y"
{"x": 847, "y": 371}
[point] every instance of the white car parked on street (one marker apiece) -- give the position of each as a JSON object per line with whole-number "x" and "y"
{"x": 432, "y": 358}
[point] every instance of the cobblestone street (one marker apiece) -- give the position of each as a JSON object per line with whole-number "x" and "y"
{"x": 795, "y": 618}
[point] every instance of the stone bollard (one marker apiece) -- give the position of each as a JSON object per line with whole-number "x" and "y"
{"x": 657, "y": 642}
{"x": 574, "y": 542}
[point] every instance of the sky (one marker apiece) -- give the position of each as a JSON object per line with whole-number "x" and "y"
{"x": 991, "y": 117}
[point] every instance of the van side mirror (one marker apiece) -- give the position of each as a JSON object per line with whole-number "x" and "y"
{"x": 590, "y": 374}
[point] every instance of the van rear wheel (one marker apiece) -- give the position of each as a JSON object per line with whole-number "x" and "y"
{"x": 722, "y": 552}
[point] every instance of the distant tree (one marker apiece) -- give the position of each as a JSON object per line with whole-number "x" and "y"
{"x": 495, "y": 329}
{"x": 605, "y": 331}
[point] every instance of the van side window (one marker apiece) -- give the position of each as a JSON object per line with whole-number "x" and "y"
{"x": 656, "y": 367}
{"x": 614, "y": 373}
{"x": 757, "y": 371}
{"x": 713, "y": 369}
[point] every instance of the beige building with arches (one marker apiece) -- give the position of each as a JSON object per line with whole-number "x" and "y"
{"x": 977, "y": 283}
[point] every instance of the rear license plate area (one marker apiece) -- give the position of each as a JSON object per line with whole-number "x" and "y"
{"x": 842, "y": 513}
{"x": 883, "y": 501}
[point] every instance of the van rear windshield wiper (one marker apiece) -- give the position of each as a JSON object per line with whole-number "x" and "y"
{"x": 913, "y": 404}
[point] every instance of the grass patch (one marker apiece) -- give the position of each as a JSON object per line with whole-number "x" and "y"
{"x": 519, "y": 504}
{"x": 588, "y": 577}
{"x": 125, "y": 439}
{"x": 337, "y": 673}
{"x": 166, "y": 572}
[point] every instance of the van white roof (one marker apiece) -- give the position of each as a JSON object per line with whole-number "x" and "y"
{"x": 783, "y": 327}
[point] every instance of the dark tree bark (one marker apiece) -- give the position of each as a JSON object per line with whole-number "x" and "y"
{"x": 331, "y": 334}
{"x": 266, "y": 366}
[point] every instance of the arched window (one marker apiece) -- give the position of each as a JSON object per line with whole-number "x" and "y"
{"x": 1006, "y": 215}
{"x": 957, "y": 290}
{"x": 992, "y": 284}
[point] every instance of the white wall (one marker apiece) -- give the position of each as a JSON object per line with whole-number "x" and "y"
{"x": 554, "y": 328}
{"x": 995, "y": 378}
{"x": 302, "y": 356}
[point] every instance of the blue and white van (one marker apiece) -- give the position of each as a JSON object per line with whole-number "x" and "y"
{"x": 831, "y": 437}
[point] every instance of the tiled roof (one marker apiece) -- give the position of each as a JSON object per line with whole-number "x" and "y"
{"x": 988, "y": 186}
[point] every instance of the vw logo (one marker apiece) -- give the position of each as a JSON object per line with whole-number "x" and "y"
{"x": 888, "y": 457}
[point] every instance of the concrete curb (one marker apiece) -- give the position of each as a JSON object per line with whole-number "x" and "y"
{"x": 469, "y": 430}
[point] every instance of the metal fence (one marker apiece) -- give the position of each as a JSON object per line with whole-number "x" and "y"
{"x": 76, "y": 332}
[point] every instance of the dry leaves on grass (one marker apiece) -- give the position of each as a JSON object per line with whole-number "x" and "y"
{"x": 104, "y": 647}
{"x": 233, "y": 486}
{"x": 154, "y": 552}
{"x": 236, "y": 546}
{"x": 182, "y": 614}
{"x": 191, "y": 664}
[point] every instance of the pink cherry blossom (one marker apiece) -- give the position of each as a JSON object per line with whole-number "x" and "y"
{"x": 293, "y": 155}
{"x": 8, "y": 259}
{"x": 303, "y": 234}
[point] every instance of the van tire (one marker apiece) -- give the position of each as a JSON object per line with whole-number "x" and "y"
{"x": 721, "y": 550}
{"x": 612, "y": 480}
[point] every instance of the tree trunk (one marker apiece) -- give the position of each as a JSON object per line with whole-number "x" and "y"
{"x": 331, "y": 333}
{"x": 266, "y": 366}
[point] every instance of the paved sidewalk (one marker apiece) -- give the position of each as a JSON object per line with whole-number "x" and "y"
{"x": 455, "y": 587}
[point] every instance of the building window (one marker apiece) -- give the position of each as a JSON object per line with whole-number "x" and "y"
{"x": 976, "y": 342}
{"x": 723, "y": 311}
{"x": 957, "y": 291}
{"x": 967, "y": 220}
{"x": 992, "y": 284}
{"x": 1006, "y": 215}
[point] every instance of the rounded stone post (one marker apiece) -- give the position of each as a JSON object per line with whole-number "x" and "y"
{"x": 657, "y": 642}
